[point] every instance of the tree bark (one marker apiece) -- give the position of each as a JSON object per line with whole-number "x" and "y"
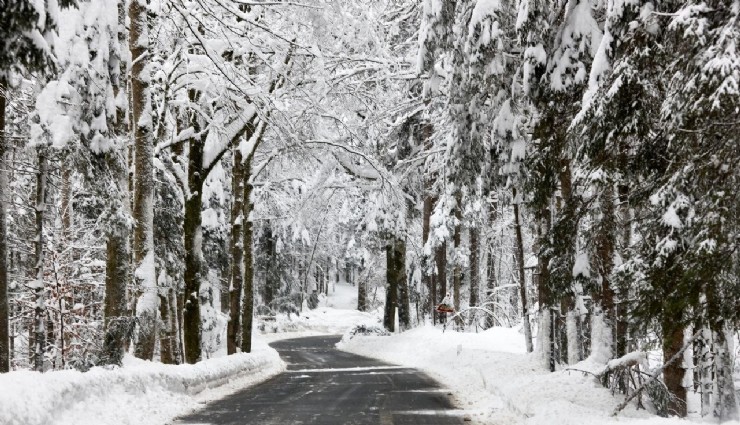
{"x": 491, "y": 265}
{"x": 361, "y": 295}
{"x": 474, "y": 266}
{"x": 456, "y": 241}
{"x": 404, "y": 308}
{"x": 605, "y": 257}
{"x": 247, "y": 236}
{"x": 620, "y": 309}
{"x": 4, "y": 310}
{"x": 237, "y": 249}
{"x": 725, "y": 404}
{"x": 673, "y": 374}
{"x": 143, "y": 212}
{"x": 38, "y": 283}
{"x": 440, "y": 278}
{"x": 117, "y": 324}
{"x": 427, "y": 274}
{"x": 522, "y": 277}
{"x": 193, "y": 232}
{"x": 168, "y": 334}
{"x": 391, "y": 286}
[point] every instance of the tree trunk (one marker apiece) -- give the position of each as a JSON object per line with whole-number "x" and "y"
{"x": 271, "y": 278}
{"x": 38, "y": 283}
{"x": 248, "y": 309}
{"x": 391, "y": 290}
{"x": 404, "y": 309}
{"x": 620, "y": 309}
{"x": 456, "y": 241}
{"x": 522, "y": 277}
{"x": 725, "y": 403}
{"x": 427, "y": 274}
{"x": 237, "y": 249}
{"x": 440, "y": 278}
{"x": 673, "y": 374}
{"x": 361, "y": 295}
{"x": 193, "y": 262}
{"x": 4, "y": 310}
{"x": 143, "y": 208}
{"x": 548, "y": 330}
{"x": 474, "y": 266}
{"x": 168, "y": 334}
{"x": 605, "y": 263}
{"x": 491, "y": 266}
{"x": 117, "y": 323}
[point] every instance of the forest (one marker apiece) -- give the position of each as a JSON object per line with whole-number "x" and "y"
{"x": 176, "y": 173}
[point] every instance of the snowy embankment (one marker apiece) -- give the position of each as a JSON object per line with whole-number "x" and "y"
{"x": 139, "y": 393}
{"x": 497, "y": 382}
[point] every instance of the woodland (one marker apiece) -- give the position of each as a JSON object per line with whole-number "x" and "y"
{"x": 174, "y": 172}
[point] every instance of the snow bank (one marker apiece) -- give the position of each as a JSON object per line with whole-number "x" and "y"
{"x": 139, "y": 393}
{"x": 497, "y": 382}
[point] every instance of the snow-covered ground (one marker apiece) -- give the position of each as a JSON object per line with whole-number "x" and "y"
{"x": 489, "y": 373}
{"x": 139, "y": 393}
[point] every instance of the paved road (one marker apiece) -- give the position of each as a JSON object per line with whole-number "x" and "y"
{"x": 325, "y": 386}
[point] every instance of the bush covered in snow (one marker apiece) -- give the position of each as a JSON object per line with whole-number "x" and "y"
{"x": 365, "y": 329}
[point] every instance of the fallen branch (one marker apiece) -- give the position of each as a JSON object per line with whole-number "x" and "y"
{"x": 655, "y": 374}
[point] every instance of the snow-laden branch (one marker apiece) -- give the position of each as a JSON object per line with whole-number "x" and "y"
{"x": 377, "y": 175}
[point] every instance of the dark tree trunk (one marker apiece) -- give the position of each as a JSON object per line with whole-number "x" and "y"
{"x": 193, "y": 232}
{"x": 491, "y": 267}
{"x": 427, "y": 275}
{"x": 620, "y": 310}
{"x": 605, "y": 258}
{"x": 248, "y": 309}
{"x": 404, "y": 309}
{"x": 673, "y": 374}
{"x": 361, "y": 295}
{"x": 271, "y": 277}
{"x": 117, "y": 322}
{"x": 4, "y": 310}
{"x": 456, "y": 241}
{"x": 440, "y": 278}
{"x": 474, "y": 266}
{"x": 237, "y": 249}
{"x": 391, "y": 286}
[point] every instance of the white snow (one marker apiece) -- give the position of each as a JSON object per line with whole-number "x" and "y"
{"x": 491, "y": 378}
{"x": 581, "y": 266}
{"x": 140, "y": 392}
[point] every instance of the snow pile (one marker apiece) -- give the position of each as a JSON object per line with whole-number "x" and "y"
{"x": 497, "y": 382}
{"x": 139, "y": 393}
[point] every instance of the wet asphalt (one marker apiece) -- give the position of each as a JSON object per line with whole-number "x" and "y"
{"x": 325, "y": 386}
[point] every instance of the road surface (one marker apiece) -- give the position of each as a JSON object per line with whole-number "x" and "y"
{"x": 330, "y": 387}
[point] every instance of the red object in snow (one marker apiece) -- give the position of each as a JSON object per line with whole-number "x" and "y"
{"x": 444, "y": 308}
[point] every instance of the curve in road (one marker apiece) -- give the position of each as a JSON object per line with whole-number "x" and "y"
{"x": 325, "y": 386}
